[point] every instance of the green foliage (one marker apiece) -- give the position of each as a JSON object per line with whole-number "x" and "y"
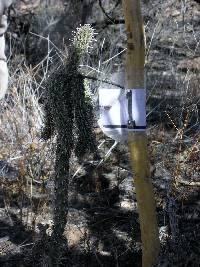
{"x": 68, "y": 109}
{"x": 69, "y": 116}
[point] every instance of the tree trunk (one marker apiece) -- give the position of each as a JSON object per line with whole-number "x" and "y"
{"x": 137, "y": 140}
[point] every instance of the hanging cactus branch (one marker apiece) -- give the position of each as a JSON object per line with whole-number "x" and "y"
{"x": 68, "y": 116}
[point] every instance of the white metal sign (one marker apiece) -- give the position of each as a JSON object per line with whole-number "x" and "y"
{"x": 122, "y": 111}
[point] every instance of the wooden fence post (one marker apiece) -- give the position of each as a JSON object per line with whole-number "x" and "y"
{"x": 137, "y": 139}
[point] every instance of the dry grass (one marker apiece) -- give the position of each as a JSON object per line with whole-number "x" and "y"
{"x": 174, "y": 148}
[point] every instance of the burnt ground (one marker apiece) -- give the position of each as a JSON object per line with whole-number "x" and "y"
{"x": 103, "y": 226}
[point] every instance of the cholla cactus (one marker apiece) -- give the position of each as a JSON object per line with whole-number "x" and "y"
{"x": 83, "y": 38}
{"x": 69, "y": 116}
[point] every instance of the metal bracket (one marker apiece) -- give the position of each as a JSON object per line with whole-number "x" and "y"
{"x": 130, "y": 123}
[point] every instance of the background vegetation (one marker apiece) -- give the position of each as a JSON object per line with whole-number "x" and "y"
{"x": 102, "y": 227}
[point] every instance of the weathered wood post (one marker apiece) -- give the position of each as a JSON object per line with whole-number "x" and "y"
{"x": 137, "y": 139}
